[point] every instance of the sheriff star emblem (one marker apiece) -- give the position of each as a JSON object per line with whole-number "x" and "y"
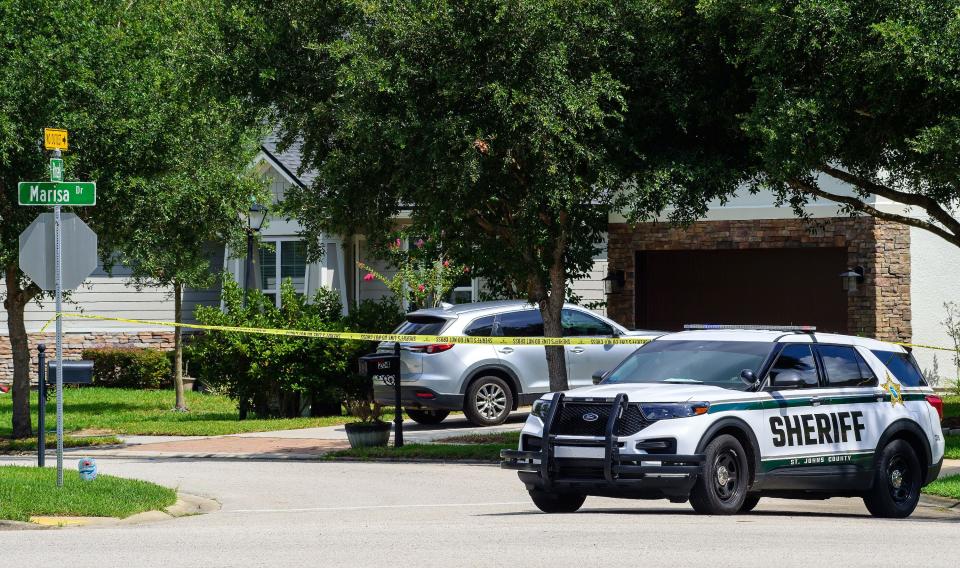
{"x": 896, "y": 397}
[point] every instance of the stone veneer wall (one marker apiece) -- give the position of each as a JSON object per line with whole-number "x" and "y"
{"x": 75, "y": 343}
{"x": 881, "y": 306}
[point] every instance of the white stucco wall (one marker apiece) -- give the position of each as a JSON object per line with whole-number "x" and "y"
{"x": 935, "y": 279}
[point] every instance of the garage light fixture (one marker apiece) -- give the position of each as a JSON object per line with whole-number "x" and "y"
{"x": 851, "y": 278}
{"x": 613, "y": 283}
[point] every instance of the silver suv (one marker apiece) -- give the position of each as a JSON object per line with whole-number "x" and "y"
{"x": 488, "y": 381}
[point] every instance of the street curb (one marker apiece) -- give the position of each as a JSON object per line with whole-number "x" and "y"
{"x": 187, "y": 505}
{"x": 928, "y": 500}
{"x": 408, "y": 460}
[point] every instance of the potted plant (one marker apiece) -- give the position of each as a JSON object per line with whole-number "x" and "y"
{"x": 370, "y": 430}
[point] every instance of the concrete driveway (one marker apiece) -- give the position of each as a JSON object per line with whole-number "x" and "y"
{"x": 374, "y": 514}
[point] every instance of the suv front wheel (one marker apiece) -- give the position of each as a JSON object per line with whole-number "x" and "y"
{"x": 488, "y": 401}
{"x": 722, "y": 489}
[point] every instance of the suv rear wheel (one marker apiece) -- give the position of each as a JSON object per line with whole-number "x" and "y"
{"x": 424, "y": 416}
{"x": 488, "y": 401}
{"x": 722, "y": 488}
{"x": 896, "y": 482}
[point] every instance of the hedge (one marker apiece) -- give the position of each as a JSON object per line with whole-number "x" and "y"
{"x": 133, "y": 368}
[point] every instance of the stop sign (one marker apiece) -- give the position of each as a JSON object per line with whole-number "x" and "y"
{"x": 78, "y": 247}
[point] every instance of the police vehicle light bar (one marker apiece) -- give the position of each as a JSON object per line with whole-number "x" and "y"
{"x": 804, "y": 328}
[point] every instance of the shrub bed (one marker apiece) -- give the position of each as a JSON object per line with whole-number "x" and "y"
{"x": 132, "y": 368}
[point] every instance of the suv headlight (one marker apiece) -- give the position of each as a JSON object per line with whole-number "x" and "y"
{"x": 541, "y": 408}
{"x": 662, "y": 411}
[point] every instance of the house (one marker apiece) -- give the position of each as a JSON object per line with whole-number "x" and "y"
{"x": 746, "y": 262}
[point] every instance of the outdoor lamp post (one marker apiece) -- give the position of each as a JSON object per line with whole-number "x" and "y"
{"x": 256, "y": 215}
{"x": 851, "y": 278}
{"x": 255, "y": 218}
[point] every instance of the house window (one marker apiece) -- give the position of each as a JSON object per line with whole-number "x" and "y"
{"x": 462, "y": 292}
{"x": 280, "y": 260}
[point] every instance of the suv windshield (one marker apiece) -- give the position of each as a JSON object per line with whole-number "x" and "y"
{"x": 421, "y": 325}
{"x": 714, "y": 363}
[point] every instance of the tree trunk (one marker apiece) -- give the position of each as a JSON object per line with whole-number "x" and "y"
{"x": 551, "y": 308}
{"x": 14, "y": 303}
{"x": 181, "y": 403}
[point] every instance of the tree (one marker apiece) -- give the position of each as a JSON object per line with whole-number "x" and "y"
{"x": 863, "y": 92}
{"x": 111, "y": 72}
{"x": 512, "y": 128}
{"x": 176, "y": 219}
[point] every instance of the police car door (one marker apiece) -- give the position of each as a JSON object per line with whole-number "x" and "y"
{"x": 798, "y": 426}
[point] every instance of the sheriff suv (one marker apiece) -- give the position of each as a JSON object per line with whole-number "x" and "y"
{"x": 723, "y": 417}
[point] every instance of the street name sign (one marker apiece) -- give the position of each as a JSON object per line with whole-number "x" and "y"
{"x": 37, "y": 253}
{"x": 70, "y": 193}
{"x": 55, "y": 139}
{"x": 56, "y": 169}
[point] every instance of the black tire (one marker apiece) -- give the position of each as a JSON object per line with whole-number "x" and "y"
{"x": 896, "y": 483}
{"x": 750, "y": 502}
{"x": 557, "y": 502}
{"x": 722, "y": 489}
{"x": 426, "y": 416}
{"x": 488, "y": 402}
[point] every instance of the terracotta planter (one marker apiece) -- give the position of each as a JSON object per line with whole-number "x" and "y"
{"x": 366, "y": 435}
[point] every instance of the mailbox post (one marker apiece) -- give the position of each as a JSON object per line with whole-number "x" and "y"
{"x": 386, "y": 367}
{"x": 398, "y": 407}
{"x": 42, "y": 406}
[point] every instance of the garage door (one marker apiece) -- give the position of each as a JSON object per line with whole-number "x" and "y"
{"x": 769, "y": 286}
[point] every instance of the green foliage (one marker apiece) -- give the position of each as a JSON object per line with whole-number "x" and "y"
{"x": 375, "y": 316}
{"x": 863, "y": 92}
{"x": 424, "y": 274}
{"x": 129, "y": 368}
{"x": 274, "y": 371}
{"x": 32, "y": 491}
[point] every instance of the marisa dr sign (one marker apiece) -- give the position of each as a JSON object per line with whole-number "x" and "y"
{"x": 69, "y": 193}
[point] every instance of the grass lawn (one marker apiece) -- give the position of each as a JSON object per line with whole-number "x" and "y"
{"x": 30, "y": 444}
{"x": 485, "y": 447}
{"x": 945, "y": 487}
{"x": 953, "y": 447}
{"x": 92, "y": 410}
{"x": 32, "y": 491}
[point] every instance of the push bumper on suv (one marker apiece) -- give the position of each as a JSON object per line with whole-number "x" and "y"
{"x": 616, "y": 474}
{"x": 417, "y": 397}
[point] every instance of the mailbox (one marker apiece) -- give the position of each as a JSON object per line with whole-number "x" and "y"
{"x": 381, "y": 366}
{"x": 74, "y": 372}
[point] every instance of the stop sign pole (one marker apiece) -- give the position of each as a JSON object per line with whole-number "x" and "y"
{"x": 56, "y": 193}
{"x": 58, "y": 295}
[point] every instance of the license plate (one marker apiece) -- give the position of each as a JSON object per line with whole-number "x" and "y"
{"x": 577, "y": 452}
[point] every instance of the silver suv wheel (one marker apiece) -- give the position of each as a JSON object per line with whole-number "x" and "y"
{"x": 488, "y": 402}
{"x": 491, "y": 401}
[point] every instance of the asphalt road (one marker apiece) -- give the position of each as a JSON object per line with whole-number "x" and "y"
{"x": 355, "y": 514}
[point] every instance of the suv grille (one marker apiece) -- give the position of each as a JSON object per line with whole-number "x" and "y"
{"x": 570, "y": 421}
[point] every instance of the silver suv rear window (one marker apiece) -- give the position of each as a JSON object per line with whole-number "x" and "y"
{"x": 421, "y": 325}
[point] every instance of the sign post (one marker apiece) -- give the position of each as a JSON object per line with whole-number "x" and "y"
{"x": 34, "y": 249}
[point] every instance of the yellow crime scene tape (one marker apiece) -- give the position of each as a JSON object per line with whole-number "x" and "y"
{"x": 391, "y": 337}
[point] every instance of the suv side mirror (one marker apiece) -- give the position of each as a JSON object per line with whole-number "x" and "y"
{"x": 788, "y": 380}
{"x": 599, "y": 376}
{"x": 748, "y": 376}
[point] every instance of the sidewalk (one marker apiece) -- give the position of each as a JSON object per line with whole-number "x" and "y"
{"x": 302, "y": 444}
